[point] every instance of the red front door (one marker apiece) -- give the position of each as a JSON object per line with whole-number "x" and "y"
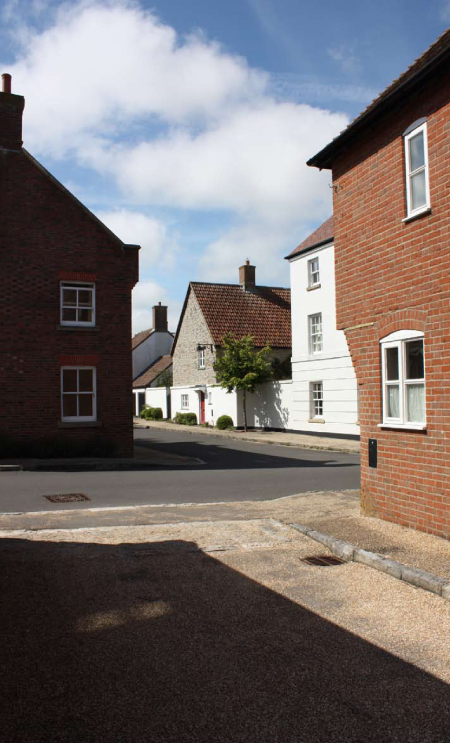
{"x": 202, "y": 407}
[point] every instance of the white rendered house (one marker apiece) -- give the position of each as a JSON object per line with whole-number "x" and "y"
{"x": 324, "y": 387}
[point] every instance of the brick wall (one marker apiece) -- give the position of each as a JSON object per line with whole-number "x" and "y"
{"x": 392, "y": 275}
{"x": 46, "y": 235}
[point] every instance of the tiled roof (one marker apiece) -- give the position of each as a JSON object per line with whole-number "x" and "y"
{"x": 424, "y": 64}
{"x": 152, "y": 372}
{"x": 140, "y": 338}
{"x": 264, "y": 312}
{"x": 323, "y": 234}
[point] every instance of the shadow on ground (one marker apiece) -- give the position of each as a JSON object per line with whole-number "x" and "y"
{"x": 162, "y": 643}
{"x": 226, "y": 456}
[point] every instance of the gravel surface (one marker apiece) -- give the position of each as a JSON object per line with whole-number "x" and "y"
{"x": 201, "y": 632}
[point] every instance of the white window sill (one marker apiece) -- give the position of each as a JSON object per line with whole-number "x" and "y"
{"x": 404, "y": 426}
{"x": 80, "y": 424}
{"x": 421, "y": 213}
{"x": 312, "y": 287}
{"x": 316, "y": 420}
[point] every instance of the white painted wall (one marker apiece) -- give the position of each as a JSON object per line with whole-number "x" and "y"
{"x": 156, "y": 397}
{"x": 156, "y": 345}
{"x": 268, "y": 407}
{"x": 333, "y": 366}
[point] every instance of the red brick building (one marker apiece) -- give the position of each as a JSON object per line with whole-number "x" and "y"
{"x": 391, "y": 183}
{"x": 65, "y": 309}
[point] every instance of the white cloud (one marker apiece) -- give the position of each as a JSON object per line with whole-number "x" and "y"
{"x": 178, "y": 123}
{"x": 145, "y": 295}
{"x": 346, "y": 59}
{"x": 157, "y": 246}
{"x": 253, "y": 161}
{"x": 101, "y": 68}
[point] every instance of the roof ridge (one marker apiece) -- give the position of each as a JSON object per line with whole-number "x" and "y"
{"x": 237, "y": 286}
{"x": 432, "y": 56}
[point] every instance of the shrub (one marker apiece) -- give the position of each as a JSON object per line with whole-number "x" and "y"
{"x": 224, "y": 422}
{"x": 186, "y": 419}
{"x": 151, "y": 414}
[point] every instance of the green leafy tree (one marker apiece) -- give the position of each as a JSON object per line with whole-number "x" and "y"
{"x": 241, "y": 367}
{"x": 165, "y": 379}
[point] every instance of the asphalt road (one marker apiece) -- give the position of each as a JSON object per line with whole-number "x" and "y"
{"x": 232, "y": 471}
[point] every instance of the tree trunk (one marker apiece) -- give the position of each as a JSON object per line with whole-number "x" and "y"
{"x": 244, "y": 407}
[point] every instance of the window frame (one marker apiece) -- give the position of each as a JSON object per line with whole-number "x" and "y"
{"x": 79, "y": 418}
{"x": 408, "y": 135}
{"x": 312, "y": 336}
{"x": 185, "y": 398}
{"x": 311, "y": 272}
{"x": 313, "y": 399}
{"x": 201, "y": 358}
{"x": 77, "y": 286}
{"x": 399, "y": 340}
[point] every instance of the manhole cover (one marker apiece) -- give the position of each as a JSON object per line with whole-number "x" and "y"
{"x": 322, "y": 561}
{"x": 66, "y": 498}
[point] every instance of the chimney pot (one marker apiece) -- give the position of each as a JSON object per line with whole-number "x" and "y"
{"x": 6, "y": 82}
{"x": 247, "y": 276}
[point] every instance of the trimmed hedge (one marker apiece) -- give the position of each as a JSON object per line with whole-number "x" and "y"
{"x": 224, "y": 422}
{"x": 152, "y": 414}
{"x": 186, "y": 419}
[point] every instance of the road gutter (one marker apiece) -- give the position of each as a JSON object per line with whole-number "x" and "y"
{"x": 349, "y": 553}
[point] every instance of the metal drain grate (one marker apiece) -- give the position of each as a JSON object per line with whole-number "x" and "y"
{"x": 66, "y": 498}
{"x": 322, "y": 561}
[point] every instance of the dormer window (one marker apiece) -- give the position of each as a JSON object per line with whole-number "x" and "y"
{"x": 77, "y": 303}
{"x": 416, "y": 163}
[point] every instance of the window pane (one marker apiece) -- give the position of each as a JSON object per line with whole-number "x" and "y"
{"x": 84, "y": 315}
{"x": 85, "y": 297}
{"x": 86, "y": 404}
{"x": 418, "y": 192}
{"x": 392, "y": 364}
{"x": 70, "y": 297}
{"x": 392, "y": 401}
{"x": 69, "y": 406}
{"x": 69, "y": 315}
{"x": 86, "y": 380}
{"x": 69, "y": 380}
{"x": 414, "y": 360}
{"x": 416, "y": 151}
{"x": 415, "y": 403}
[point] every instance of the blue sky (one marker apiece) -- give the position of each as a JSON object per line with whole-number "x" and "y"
{"x": 185, "y": 126}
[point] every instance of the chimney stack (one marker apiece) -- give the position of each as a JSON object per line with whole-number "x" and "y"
{"x": 247, "y": 276}
{"x": 160, "y": 317}
{"x": 11, "y": 110}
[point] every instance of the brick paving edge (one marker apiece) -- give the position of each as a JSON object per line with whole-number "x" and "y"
{"x": 349, "y": 553}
